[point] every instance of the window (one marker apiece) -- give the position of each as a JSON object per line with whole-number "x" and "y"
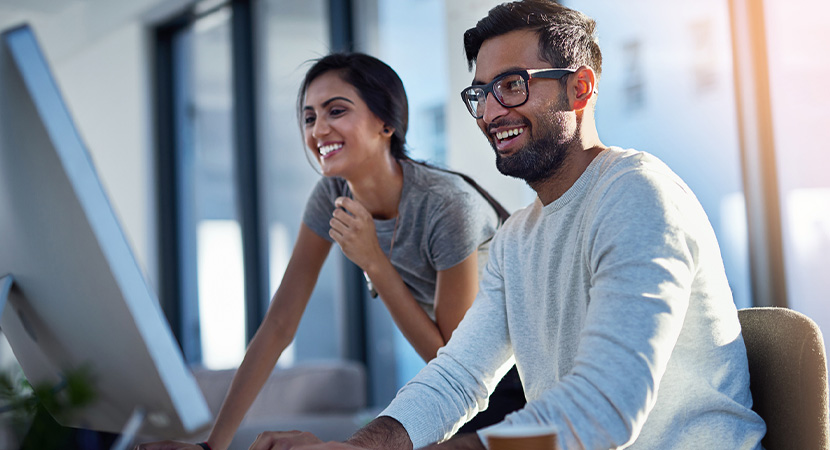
{"x": 667, "y": 89}
{"x": 204, "y": 227}
{"x": 685, "y": 106}
{"x": 292, "y": 33}
{"x": 234, "y": 178}
{"x": 421, "y": 63}
{"x": 798, "y": 38}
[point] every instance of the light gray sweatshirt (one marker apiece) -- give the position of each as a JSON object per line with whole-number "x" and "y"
{"x": 614, "y": 302}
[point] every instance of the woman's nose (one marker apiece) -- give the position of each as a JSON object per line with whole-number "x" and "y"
{"x": 320, "y": 129}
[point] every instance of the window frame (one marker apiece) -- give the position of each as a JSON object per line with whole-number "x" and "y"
{"x": 177, "y": 289}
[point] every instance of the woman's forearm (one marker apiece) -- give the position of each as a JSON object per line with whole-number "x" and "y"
{"x": 456, "y": 289}
{"x": 273, "y": 336}
{"x": 414, "y": 323}
{"x": 255, "y": 369}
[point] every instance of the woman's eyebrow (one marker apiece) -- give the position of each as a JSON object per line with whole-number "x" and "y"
{"x": 326, "y": 103}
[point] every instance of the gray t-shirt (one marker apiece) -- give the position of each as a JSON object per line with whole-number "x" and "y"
{"x": 441, "y": 221}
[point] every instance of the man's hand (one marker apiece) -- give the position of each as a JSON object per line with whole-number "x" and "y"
{"x": 284, "y": 440}
{"x": 330, "y": 446}
{"x": 167, "y": 445}
{"x": 468, "y": 441}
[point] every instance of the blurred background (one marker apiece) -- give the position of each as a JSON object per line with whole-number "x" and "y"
{"x": 188, "y": 110}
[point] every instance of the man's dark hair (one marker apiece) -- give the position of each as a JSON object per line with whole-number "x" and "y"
{"x": 567, "y": 38}
{"x": 378, "y": 85}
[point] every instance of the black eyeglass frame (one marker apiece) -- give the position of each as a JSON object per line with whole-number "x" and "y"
{"x": 526, "y": 75}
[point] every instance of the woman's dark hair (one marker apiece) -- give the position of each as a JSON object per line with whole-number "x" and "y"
{"x": 377, "y": 84}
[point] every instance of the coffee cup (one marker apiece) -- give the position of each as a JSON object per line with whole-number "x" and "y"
{"x": 521, "y": 437}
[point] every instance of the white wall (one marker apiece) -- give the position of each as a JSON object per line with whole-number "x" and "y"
{"x": 107, "y": 88}
{"x": 99, "y": 54}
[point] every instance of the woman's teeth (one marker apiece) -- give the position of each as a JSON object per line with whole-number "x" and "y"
{"x": 502, "y": 135}
{"x": 326, "y": 149}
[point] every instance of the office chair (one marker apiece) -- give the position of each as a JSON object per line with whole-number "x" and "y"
{"x": 788, "y": 377}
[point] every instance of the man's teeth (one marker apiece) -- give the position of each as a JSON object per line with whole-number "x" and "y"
{"x": 326, "y": 149}
{"x": 501, "y": 135}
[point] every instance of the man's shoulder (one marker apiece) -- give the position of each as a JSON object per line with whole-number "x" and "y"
{"x": 617, "y": 159}
{"x": 627, "y": 166}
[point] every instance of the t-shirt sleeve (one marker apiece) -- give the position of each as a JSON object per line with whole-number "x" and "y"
{"x": 320, "y": 206}
{"x": 458, "y": 226}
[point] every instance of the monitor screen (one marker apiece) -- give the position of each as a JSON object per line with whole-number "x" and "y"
{"x": 71, "y": 292}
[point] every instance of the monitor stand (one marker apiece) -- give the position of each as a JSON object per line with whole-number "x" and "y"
{"x": 12, "y": 318}
{"x": 5, "y": 287}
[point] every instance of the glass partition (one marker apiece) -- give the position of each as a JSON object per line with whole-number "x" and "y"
{"x": 667, "y": 89}
{"x": 291, "y": 34}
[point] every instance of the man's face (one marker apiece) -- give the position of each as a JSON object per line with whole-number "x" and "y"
{"x": 530, "y": 140}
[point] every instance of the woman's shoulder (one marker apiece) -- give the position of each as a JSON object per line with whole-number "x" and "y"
{"x": 330, "y": 187}
{"x": 437, "y": 181}
{"x": 439, "y": 195}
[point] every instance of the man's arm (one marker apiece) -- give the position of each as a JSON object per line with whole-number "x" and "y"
{"x": 381, "y": 433}
{"x": 387, "y": 433}
{"x": 456, "y": 384}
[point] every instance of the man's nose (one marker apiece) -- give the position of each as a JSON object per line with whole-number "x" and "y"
{"x": 492, "y": 108}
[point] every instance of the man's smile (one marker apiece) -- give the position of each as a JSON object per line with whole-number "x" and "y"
{"x": 504, "y": 137}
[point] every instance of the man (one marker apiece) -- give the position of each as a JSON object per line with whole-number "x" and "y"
{"x": 609, "y": 290}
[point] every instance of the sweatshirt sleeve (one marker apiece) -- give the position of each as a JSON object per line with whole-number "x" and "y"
{"x": 455, "y": 385}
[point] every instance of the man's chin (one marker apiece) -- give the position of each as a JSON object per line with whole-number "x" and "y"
{"x": 507, "y": 166}
{"x": 530, "y": 170}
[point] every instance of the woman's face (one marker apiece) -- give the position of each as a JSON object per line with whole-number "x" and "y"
{"x": 340, "y": 130}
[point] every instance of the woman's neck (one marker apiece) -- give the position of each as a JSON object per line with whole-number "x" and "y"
{"x": 379, "y": 190}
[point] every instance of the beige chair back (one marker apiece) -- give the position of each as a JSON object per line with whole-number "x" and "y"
{"x": 788, "y": 377}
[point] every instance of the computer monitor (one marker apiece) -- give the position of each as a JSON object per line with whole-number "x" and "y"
{"x": 71, "y": 291}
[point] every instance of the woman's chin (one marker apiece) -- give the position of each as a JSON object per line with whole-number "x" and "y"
{"x": 329, "y": 170}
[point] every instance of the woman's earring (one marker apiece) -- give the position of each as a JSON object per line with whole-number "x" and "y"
{"x": 386, "y": 130}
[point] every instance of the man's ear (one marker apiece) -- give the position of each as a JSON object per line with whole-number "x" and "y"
{"x": 584, "y": 87}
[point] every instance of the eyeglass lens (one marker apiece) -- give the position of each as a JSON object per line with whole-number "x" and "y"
{"x": 510, "y": 90}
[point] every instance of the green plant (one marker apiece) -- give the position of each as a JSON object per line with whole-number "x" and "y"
{"x": 31, "y": 410}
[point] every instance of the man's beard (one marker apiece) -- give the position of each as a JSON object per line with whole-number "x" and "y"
{"x": 541, "y": 157}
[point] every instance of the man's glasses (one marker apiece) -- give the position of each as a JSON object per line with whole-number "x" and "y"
{"x": 510, "y": 89}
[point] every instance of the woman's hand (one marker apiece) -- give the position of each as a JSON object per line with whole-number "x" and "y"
{"x": 167, "y": 445}
{"x": 353, "y": 229}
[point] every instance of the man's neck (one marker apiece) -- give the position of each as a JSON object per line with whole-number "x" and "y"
{"x": 551, "y": 188}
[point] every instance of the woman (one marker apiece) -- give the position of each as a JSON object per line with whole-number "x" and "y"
{"x": 415, "y": 230}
